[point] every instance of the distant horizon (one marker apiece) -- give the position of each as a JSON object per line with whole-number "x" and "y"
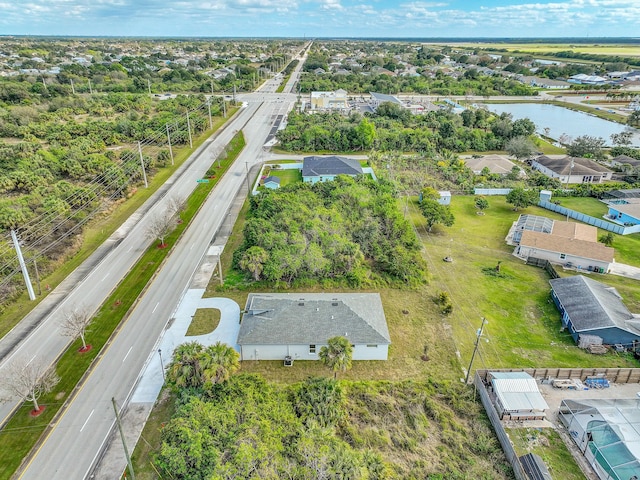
{"x": 414, "y": 19}
{"x": 506, "y": 40}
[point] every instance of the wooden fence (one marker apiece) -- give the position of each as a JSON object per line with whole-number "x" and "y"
{"x": 505, "y": 442}
{"x": 546, "y": 264}
{"x": 614, "y": 375}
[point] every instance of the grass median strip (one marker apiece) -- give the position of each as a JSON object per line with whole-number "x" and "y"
{"x": 22, "y": 432}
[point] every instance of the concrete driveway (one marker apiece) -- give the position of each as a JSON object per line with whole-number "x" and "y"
{"x": 624, "y": 270}
{"x": 152, "y": 379}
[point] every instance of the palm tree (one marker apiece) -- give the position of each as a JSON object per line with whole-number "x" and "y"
{"x": 185, "y": 370}
{"x": 219, "y": 362}
{"x": 337, "y": 355}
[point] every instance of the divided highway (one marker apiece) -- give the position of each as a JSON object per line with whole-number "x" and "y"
{"x": 74, "y": 443}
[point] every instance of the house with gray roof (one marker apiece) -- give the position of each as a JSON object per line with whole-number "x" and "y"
{"x": 571, "y": 169}
{"x": 379, "y": 98}
{"x": 592, "y": 308}
{"x": 322, "y": 169}
{"x": 298, "y": 325}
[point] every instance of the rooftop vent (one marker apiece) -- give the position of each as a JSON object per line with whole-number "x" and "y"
{"x": 335, "y": 304}
{"x": 301, "y": 304}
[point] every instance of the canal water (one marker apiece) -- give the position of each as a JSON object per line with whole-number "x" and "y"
{"x": 562, "y": 121}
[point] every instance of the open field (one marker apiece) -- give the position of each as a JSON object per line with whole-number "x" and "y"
{"x": 540, "y": 48}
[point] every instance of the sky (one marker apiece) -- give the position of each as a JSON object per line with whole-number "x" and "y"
{"x": 322, "y": 18}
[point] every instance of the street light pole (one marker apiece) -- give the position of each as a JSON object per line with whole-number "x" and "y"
{"x": 161, "y": 364}
{"x": 475, "y": 348}
{"x": 246, "y": 167}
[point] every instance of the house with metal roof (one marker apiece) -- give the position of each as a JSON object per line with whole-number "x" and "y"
{"x": 322, "y": 169}
{"x": 517, "y": 397}
{"x": 298, "y": 325}
{"x": 589, "y": 307}
{"x": 571, "y": 169}
{"x": 566, "y": 243}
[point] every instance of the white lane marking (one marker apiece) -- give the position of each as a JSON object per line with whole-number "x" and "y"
{"x": 130, "y": 248}
{"x": 87, "y": 420}
{"x": 104, "y": 278}
{"x": 31, "y": 360}
{"x": 191, "y": 248}
{"x": 154, "y": 308}
{"x": 128, "y": 352}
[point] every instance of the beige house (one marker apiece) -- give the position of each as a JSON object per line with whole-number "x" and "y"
{"x": 329, "y": 100}
{"x": 566, "y": 243}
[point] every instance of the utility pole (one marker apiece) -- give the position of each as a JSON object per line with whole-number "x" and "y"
{"x": 568, "y": 179}
{"x": 124, "y": 443}
{"x": 475, "y": 348}
{"x": 149, "y": 86}
{"x": 169, "y": 142}
{"x": 189, "y": 130}
{"x": 23, "y": 266}
{"x": 35, "y": 270}
{"x": 144, "y": 174}
{"x": 209, "y": 108}
{"x": 73, "y": 90}
{"x": 90, "y": 90}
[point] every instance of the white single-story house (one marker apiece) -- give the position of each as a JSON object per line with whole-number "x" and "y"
{"x": 566, "y": 243}
{"x": 272, "y": 182}
{"x": 571, "y": 169}
{"x": 496, "y": 164}
{"x": 517, "y": 396}
{"x": 298, "y": 325}
{"x": 589, "y": 307}
{"x": 321, "y": 169}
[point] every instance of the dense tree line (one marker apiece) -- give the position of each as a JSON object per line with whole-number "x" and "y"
{"x": 248, "y": 428}
{"x": 395, "y": 128}
{"x": 345, "y": 231}
{"x": 441, "y": 84}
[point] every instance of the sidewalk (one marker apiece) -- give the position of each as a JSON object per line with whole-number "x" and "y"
{"x": 113, "y": 462}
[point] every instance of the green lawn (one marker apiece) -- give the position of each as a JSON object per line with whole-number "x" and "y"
{"x": 288, "y": 176}
{"x": 547, "y": 443}
{"x": 204, "y": 321}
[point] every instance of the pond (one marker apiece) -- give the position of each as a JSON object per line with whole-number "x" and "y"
{"x": 561, "y": 121}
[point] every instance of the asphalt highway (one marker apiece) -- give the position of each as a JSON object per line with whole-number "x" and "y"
{"x": 75, "y": 441}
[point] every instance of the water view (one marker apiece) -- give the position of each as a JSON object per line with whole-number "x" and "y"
{"x": 561, "y": 121}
